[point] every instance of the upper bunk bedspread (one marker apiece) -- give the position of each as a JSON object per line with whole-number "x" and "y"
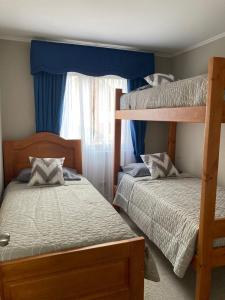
{"x": 187, "y": 92}
{"x": 167, "y": 211}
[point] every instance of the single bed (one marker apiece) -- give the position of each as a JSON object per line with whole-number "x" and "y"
{"x": 66, "y": 242}
{"x": 187, "y": 92}
{"x": 167, "y": 211}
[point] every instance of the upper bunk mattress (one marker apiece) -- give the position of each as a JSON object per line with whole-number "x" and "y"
{"x": 48, "y": 219}
{"x": 167, "y": 211}
{"x": 187, "y": 92}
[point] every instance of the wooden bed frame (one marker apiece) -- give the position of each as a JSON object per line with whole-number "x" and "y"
{"x": 106, "y": 271}
{"x": 212, "y": 115}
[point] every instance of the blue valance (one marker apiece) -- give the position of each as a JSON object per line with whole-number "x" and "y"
{"x": 59, "y": 58}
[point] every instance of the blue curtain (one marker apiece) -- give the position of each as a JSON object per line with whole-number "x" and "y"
{"x": 138, "y": 128}
{"x": 51, "y": 61}
{"x": 58, "y": 58}
{"x": 49, "y": 92}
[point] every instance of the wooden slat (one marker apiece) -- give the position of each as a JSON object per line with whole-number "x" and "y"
{"x": 74, "y": 284}
{"x": 219, "y": 228}
{"x": 194, "y": 114}
{"x": 137, "y": 264}
{"x": 194, "y": 262}
{"x": 75, "y": 258}
{"x": 214, "y": 111}
{"x": 223, "y": 113}
{"x": 117, "y": 139}
{"x": 1, "y": 286}
{"x": 107, "y": 271}
{"x": 172, "y": 140}
{"x": 218, "y": 257}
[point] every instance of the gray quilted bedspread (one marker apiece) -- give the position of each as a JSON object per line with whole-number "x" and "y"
{"x": 167, "y": 211}
{"x": 186, "y": 92}
{"x": 48, "y": 219}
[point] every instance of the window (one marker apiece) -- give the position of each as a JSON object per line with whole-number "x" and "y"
{"x": 88, "y": 113}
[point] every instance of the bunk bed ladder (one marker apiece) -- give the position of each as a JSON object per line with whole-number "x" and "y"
{"x": 207, "y": 256}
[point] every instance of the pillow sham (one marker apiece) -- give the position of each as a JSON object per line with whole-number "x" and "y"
{"x": 68, "y": 174}
{"x": 159, "y": 79}
{"x": 159, "y": 165}
{"x": 136, "y": 170}
{"x": 144, "y": 87}
{"x": 24, "y": 175}
{"x": 46, "y": 171}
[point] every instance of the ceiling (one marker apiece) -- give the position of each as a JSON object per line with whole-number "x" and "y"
{"x": 167, "y": 26}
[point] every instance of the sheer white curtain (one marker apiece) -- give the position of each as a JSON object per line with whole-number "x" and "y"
{"x": 88, "y": 114}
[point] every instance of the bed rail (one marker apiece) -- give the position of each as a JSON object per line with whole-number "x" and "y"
{"x": 106, "y": 271}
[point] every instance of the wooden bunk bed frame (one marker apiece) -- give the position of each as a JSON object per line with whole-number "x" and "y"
{"x": 113, "y": 270}
{"x": 212, "y": 115}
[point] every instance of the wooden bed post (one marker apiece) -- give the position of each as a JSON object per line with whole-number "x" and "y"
{"x": 172, "y": 140}
{"x": 117, "y": 140}
{"x": 213, "y": 118}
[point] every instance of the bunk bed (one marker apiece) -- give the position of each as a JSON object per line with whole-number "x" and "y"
{"x": 212, "y": 113}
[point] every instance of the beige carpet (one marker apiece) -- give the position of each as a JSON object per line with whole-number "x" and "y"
{"x": 170, "y": 286}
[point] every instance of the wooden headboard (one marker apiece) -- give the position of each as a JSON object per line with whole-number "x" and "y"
{"x": 16, "y": 153}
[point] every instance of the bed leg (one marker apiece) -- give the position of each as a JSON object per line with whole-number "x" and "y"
{"x": 203, "y": 283}
{"x": 117, "y": 140}
{"x": 172, "y": 140}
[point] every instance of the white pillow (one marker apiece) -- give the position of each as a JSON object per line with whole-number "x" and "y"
{"x": 159, "y": 79}
{"x": 46, "y": 171}
{"x": 159, "y": 165}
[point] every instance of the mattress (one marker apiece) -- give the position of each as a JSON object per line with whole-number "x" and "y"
{"x": 49, "y": 219}
{"x": 187, "y": 92}
{"x": 167, "y": 211}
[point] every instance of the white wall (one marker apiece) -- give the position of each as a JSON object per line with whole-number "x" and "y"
{"x": 190, "y": 136}
{"x": 18, "y": 118}
{"x": 156, "y": 139}
{"x": 163, "y": 64}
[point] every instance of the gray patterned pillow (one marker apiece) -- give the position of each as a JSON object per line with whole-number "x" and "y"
{"x": 159, "y": 165}
{"x": 159, "y": 79}
{"x": 24, "y": 175}
{"x": 46, "y": 171}
{"x": 68, "y": 174}
{"x": 136, "y": 170}
{"x": 144, "y": 87}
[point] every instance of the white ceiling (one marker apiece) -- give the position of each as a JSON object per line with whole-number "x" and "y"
{"x": 160, "y": 25}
